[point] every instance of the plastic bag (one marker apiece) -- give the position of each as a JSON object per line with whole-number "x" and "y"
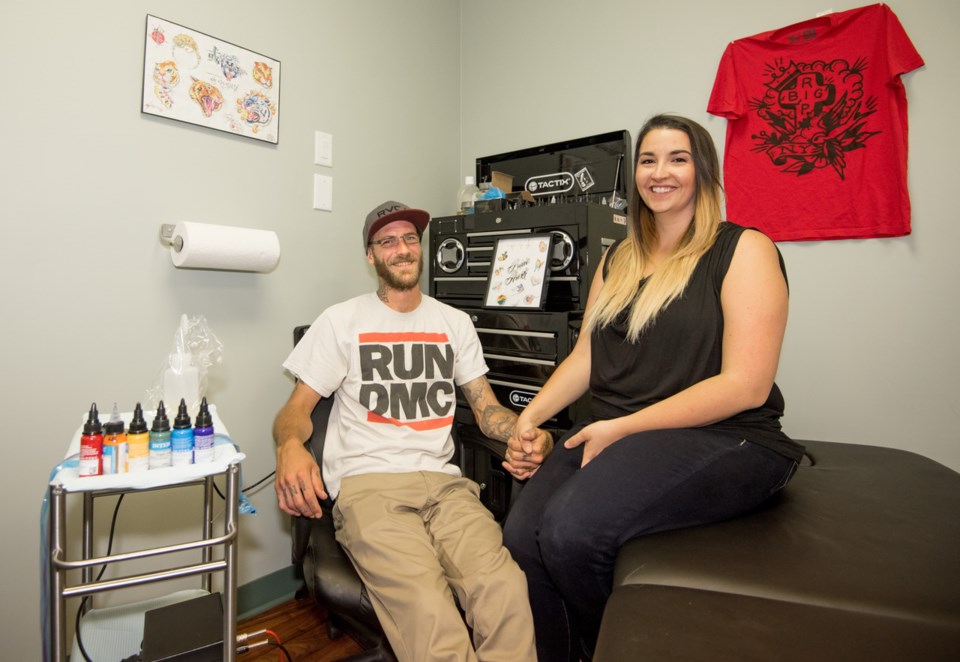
{"x": 184, "y": 372}
{"x": 491, "y": 193}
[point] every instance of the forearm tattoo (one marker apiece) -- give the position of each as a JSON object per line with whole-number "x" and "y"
{"x": 498, "y": 422}
{"x": 495, "y": 420}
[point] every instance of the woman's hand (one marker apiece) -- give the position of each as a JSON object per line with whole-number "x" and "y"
{"x": 526, "y": 451}
{"x": 595, "y": 438}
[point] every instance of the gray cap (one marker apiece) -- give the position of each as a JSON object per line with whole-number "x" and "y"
{"x": 391, "y": 211}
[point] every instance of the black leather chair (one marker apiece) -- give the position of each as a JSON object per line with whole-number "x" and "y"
{"x": 329, "y": 575}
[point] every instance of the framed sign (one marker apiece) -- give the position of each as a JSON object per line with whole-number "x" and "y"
{"x": 192, "y": 77}
{"x": 518, "y": 272}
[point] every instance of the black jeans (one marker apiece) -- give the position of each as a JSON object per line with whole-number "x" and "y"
{"x": 568, "y": 523}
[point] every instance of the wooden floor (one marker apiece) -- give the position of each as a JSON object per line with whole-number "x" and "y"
{"x": 301, "y": 626}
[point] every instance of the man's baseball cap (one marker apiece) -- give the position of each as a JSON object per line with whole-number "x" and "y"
{"x": 391, "y": 211}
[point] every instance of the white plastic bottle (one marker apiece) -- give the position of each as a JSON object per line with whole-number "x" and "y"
{"x": 182, "y": 382}
{"x": 467, "y": 195}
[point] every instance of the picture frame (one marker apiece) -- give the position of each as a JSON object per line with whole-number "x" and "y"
{"x": 191, "y": 77}
{"x": 519, "y": 271}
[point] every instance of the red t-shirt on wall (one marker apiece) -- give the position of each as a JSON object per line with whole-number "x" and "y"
{"x": 816, "y": 143}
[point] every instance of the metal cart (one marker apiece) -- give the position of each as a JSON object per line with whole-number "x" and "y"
{"x": 66, "y": 482}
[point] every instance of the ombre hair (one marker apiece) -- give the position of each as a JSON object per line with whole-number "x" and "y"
{"x": 628, "y": 263}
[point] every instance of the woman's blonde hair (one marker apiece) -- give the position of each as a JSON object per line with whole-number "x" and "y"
{"x": 628, "y": 263}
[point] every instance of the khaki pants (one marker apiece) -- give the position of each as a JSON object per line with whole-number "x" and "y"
{"x": 414, "y": 538}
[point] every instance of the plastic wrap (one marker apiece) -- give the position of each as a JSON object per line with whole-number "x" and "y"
{"x": 184, "y": 372}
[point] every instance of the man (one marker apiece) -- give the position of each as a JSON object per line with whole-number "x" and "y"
{"x": 412, "y": 526}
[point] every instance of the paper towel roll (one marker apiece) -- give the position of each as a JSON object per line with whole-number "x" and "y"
{"x": 208, "y": 246}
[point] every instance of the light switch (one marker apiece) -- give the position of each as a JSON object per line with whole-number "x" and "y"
{"x": 323, "y": 192}
{"x": 323, "y": 149}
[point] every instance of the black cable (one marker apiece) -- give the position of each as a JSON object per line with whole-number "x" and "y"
{"x": 113, "y": 528}
{"x": 249, "y": 647}
{"x": 283, "y": 650}
{"x": 260, "y": 482}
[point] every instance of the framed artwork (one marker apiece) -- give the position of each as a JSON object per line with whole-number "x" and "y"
{"x": 192, "y": 77}
{"x": 518, "y": 272}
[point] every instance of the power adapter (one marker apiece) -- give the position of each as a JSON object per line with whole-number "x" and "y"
{"x": 189, "y": 631}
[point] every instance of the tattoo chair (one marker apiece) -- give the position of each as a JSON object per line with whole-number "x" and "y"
{"x": 327, "y": 572}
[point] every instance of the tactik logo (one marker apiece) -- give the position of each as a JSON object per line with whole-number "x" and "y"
{"x": 558, "y": 182}
{"x": 521, "y": 398}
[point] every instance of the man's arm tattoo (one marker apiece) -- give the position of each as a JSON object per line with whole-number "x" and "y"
{"x": 495, "y": 420}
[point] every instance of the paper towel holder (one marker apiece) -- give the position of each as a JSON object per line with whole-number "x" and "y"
{"x": 167, "y": 236}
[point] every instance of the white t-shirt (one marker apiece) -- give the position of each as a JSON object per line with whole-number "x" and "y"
{"x": 394, "y": 376}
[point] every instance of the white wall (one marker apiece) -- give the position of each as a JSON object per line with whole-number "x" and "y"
{"x": 90, "y": 296}
{"x": 871, "y": 354}
{"x": 413, "y": 92}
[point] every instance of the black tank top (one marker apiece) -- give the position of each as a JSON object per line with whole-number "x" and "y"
{"x": 682, "y": 347}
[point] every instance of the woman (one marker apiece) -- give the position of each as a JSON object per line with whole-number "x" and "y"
{"x": 681, "y": 340}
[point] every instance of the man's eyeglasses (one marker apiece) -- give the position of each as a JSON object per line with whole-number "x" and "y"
{"x": 393, "y": 241}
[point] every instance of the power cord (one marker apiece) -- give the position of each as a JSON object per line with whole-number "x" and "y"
{"x": 260, "y": 482}
{"x": 241, "y": 638}
{"x": 266, "y": 642}
{"x": 113, "y": 528}
{"x": 251, "y": 488}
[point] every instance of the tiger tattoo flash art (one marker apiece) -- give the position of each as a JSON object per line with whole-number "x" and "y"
{"x": 166, "y": 77}
{"x": 256, "y": 110}
{"x": 207, "y": 96}
{"x": 263, "y": 73}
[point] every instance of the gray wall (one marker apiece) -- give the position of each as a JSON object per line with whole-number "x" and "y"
{"x": 91, "y": 298}
{"x": 871, "y": 352}
{"x": 413, "y": 92}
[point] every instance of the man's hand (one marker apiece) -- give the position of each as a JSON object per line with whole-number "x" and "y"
{"x": 526, "y": 451}
{"x": 298, "y": 484}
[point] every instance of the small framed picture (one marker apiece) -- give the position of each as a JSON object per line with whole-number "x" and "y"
{"x": 519, "y": 269}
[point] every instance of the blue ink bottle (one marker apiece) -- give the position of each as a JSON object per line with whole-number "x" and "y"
{"x": 181, "y": 437}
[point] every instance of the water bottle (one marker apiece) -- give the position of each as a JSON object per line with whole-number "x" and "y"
{"x": 467, "y": 195}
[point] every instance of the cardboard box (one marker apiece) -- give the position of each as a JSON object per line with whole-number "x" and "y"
{"x": 502, "y": 181}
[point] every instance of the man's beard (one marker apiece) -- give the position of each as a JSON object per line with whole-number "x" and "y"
{"x": 395, "y": 281}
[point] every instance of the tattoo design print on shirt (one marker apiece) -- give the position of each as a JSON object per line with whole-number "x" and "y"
{"x": 816, "y": 112}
